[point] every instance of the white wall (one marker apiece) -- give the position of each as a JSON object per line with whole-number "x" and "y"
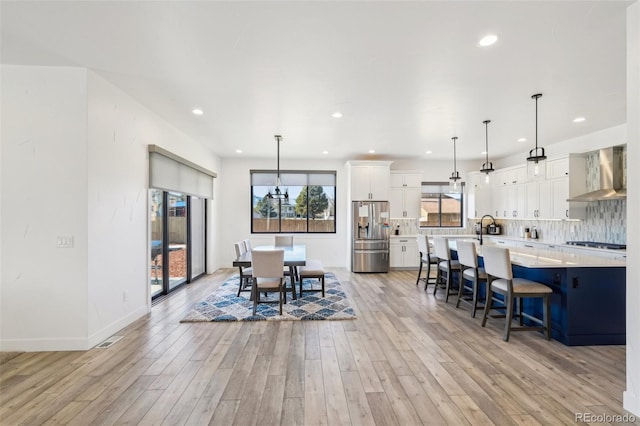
{"x": 616, "y": 135}
{"x": 44, "y": 194}
{"x": 235, "y": 211}
{"x": 75, "y": 162}
{"x": 632, "y": 393}
{"x": 120, "y": 130}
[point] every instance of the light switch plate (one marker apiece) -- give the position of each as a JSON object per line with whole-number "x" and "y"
{"x": 64, "y": 241}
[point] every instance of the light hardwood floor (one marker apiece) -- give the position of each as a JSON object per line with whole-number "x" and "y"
{"x": 408, "y": 359}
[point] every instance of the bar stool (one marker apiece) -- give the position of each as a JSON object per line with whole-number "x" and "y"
{"x": 446, "y": 265}
{"x": 497, "y": 264}
{"x": 470, "y": 272}
{"x": 427, "y": 259}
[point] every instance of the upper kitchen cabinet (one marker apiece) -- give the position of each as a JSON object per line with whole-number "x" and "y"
{"x": 479, "y": 196}
{"x": 567, "y": 176}
{"x": 370, "y": 180}
{"x": 405, "y": 193}
{"x": 509, "y": 194}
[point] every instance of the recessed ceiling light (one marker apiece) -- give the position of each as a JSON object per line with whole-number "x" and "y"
{"x": 428, "y": 152}
{"x": 372, "y": 151}
{"x": 522, "y": 140}
{"x": 337, "y": 114}
{"x": 325, "y": 152}
{"x": 197, "y": 111}
{"x": 579, "y": 119}
{"x": 488, "y": 40}
{"x": 238, "y": 151}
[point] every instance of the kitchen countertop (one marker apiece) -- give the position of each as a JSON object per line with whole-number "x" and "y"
{"x": 549, "y": 258}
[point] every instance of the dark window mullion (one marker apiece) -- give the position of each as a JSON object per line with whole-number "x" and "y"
{"x": 189, "y": 241}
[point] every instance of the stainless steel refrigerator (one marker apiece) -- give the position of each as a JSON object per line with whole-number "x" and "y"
{"x": 370, "y": 243}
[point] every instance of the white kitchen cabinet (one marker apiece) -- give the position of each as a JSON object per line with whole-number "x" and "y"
{"x": 558, "y": 168}
{"x": 406, "y": 179}
{"x": 479, "y": 196}
{"x": 403, "y": 253}
{"x": 539, "y": 203}
{"x": 370, "y": 180}
{"x": 405, "y": 202}
{"x": 509, "y": 193}
{"x": 563, "y": 209}
{"x": 404, "y": 195}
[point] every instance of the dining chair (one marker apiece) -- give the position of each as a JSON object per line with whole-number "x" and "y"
{"x": 247, "y": 244}
{"x": 268, "y": 275}
{"x": 246, "y": 273}
{"x": 284, "y": 240}
{"x": 425, "y": 259}
{"x": 446, "y": 265}
{"x": 497, "y": 263}
{"x": 287, "y": 241}
{"x": 468, "y": 258}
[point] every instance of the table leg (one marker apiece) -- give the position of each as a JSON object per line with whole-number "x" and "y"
{"x": 292, "y": 277}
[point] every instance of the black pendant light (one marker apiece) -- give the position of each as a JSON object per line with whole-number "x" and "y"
{"x": 454, "y": 186}
{"x": 536, "y": 161}
{"x": 277, "y": 193}
{"x": 487, "y": 167}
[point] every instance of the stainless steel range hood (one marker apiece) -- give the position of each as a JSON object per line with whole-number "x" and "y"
{"x": 611, "y": 177}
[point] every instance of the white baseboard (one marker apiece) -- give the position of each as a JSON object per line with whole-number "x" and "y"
{"x": 71, "y": 343}
{"x": 631, "y": 403}
{"x": 112, "y": 328}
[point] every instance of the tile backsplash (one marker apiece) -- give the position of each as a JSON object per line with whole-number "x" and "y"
{"x": 605, "y": 222}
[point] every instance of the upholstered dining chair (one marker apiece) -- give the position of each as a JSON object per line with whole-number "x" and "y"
{"x": 268, "y": 275}
{"x": 471, "y": 273}
{"x": 245, "y": 272}
{"x": 284, "y": 240}
{"x": 247, "y": 244}
{"x": 446, "y": 266}
{"x": 287, "y": 241}
{"x": 497, "y": 264}
{"x": 425, "y": 259}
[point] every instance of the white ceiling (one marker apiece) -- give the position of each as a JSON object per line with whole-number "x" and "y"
{"x": 407, "y": 76}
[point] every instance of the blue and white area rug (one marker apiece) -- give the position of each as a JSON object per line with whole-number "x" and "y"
{"x": 224, "y": 304}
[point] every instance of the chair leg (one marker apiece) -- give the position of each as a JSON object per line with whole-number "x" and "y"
{"x": 426, "y": 280}
{"x": 520, "y": 318}
{"x": 280, "y": 293}
{"x": 419, "y": 272}
{"x": 448, "y": 286}
{"x": 509, "y": 318}
{"x": 487, "y": 304}
{"x": 256, "y": 296}
{"x": 438, "y": 280}
{"x": 475, "y": 284}
{"x": 322, "y": 279}
{"x": 460, "y": 287}
{"x": 546, "y": 313}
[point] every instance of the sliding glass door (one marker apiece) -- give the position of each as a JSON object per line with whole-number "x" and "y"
{"x": 177, "y": 235}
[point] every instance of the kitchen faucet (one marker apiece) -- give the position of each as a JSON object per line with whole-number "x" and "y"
{"x": 493, "y": 221}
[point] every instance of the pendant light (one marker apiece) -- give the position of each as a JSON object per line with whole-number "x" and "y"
{"x": 277, "y": 193}
{"x": 487, "y": 167}
{"x": 536, "y": 161}
{"x": 454, "y": 186}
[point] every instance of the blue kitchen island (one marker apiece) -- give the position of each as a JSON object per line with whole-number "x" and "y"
{"x": 588, "y": 301}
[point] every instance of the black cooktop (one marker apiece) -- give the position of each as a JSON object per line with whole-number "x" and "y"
{"x": 593, "y": 244}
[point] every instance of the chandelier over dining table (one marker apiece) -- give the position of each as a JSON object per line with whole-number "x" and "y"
{"x": 277, "y": 192}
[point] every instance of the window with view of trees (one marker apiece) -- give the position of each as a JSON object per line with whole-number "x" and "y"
{"x": 310, "y": 208}
{"x": 439, "y": 208}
